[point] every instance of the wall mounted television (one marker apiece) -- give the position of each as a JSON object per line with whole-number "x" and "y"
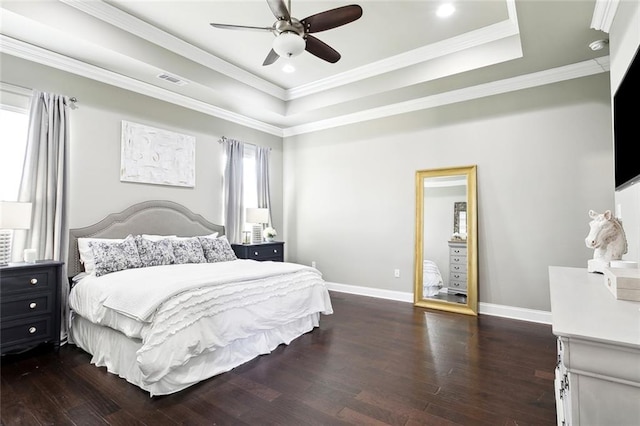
{"x": 626, "y": 128}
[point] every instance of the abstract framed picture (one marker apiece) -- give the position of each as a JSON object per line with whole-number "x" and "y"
{"x": 157, "y": 156}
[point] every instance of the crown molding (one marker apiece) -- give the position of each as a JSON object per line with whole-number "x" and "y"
{"x": 422, "y": 54}
{"x": 500, "y": 30}
{"x": 554, "y": 75}
{"x": 114, "y": 16}
{"x": 603, "y": 14}
{"x": 133, "y": 25}
{"x": 42, "y": 56}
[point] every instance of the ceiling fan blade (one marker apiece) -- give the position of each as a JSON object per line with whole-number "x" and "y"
{"x": 271, "y": 58}
{"x": 331, "y": 18}
{"x": 240, "y": 27}
{"x": 321, "y": 49}
{"x": 279, "y": 10}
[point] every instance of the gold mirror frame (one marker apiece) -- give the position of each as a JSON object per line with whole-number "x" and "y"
{"x": 471, "y": 305}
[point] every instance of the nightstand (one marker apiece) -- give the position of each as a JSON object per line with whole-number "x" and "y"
{"x": 30, "y": 305}
{"x": 260, "y": 251}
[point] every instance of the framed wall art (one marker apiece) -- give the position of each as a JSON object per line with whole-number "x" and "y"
{"x": 157, "y": 156}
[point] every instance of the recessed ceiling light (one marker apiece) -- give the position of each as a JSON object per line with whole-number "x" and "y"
{"x": 445, "y": 10}
{"x": 288, "y": 68}
{"x": 598, "y": 44}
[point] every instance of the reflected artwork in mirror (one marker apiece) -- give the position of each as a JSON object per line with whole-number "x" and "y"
{"x": 446, "y": 267}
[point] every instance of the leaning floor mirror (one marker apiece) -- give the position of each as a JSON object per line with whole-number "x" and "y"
{"x": 446, "y": 255}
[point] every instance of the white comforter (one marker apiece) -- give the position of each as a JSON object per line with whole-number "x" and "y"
{"x": 182, "y": 311}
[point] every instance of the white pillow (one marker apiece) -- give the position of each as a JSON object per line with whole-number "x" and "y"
{"x": 214, "y": 235}
{"x": 86, "y": 254}
{"x": 155, "y": 238}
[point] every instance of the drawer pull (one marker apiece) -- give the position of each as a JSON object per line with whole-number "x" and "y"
{"x": 255, "y": 253}
{"x": 32, "y": 330}
{"x": 33, "y": 305}
{"x": 34, "y": 281}
{"x": 275, "y": 250}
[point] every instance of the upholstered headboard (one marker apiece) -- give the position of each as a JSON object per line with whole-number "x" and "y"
{"x": 150, "y": 217}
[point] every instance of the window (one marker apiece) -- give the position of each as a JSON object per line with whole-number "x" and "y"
{"x": 250, "y": 181}
{"x": 13, "y": 140}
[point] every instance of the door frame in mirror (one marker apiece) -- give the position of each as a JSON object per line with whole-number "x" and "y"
{"x": 471, "y": 307}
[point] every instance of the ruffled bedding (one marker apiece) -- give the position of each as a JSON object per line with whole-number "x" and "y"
{"x": 176, "y": 316}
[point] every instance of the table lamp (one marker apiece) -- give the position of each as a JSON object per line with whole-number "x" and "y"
{"x": 257, "y": 217}
{"x": 13, "y": 215}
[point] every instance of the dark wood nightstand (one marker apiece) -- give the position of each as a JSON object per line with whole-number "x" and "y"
{"x": 30, "y": 299}
{"x": 260, "y": 251}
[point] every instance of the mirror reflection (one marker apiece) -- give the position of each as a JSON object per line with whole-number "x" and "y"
{"x": 446, "y": 267}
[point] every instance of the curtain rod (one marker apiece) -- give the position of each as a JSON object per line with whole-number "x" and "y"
{"x": 26, "y": 90}
{"x": 224, "y": 138}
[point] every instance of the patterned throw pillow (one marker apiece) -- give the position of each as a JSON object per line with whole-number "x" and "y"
{"x": 188, "y": 250}
{"x": 217, "y": 249}
{"x": 115, "y": 256}
{"x": 155, "y": 253}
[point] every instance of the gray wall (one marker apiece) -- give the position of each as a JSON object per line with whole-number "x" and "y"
{"x": 95, "y": 124}
{"x": 543, "y": 157}
{"x": 345, "y": 197}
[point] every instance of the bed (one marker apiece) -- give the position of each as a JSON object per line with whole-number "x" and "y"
{"x": 159, "y": 298}
{"x": 432, "y": 281}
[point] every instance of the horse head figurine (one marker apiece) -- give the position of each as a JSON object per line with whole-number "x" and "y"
{"x": 606, "y": 236}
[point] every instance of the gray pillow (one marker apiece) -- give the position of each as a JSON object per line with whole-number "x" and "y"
{"x": 155, "y": 253}
{"x": 188, "y": 250}
{"x": 115, "y": 256}
{"x": 217, "y": 249}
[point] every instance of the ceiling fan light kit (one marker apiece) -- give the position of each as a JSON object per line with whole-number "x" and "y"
{"x": 288, "y": 44}
{"x": 293, "y": 36}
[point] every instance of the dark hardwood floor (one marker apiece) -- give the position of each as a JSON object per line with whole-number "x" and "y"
{"x": 372, "y": 362}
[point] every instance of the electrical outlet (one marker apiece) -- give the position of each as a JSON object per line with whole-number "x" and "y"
{"x": 396, "y": 273}
{"x": 313, "y": 263}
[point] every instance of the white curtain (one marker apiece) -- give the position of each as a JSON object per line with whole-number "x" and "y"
{"x": 233, "y": 189}
{"x": 45, "y": 184}
{"x": 262, "y": 177}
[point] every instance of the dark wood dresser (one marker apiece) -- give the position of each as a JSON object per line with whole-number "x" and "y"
{"x": 30, "y": 305}
{"x": 261, "y": 251}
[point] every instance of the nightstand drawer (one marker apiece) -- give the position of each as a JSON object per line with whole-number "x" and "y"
{"x": 21, "y": 281}
{"x": 26, "y": 332}
{"x": 265, "y": 251}
{"x": 25, "y": 306}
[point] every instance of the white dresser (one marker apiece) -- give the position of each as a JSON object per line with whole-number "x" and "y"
{"x": 457, "y": 267}
{"x": 598, "y": 369}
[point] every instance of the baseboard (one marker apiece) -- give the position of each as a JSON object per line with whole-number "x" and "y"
{"x": 512, "y": 312}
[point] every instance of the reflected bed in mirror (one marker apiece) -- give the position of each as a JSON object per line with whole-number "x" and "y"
{"x": 446, "y": 267}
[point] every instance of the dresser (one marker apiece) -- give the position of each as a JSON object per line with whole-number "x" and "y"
{"x": 260, "y": 251}
{"x": 30, "y": 305}
{"x": 597, "y": 375}
{"x": 457, "y": 267}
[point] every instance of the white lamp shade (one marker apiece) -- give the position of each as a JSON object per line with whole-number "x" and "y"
{"x": 257, "y": 215}
{"x": 288, "y": 44}
{"x": 15, "y": 215}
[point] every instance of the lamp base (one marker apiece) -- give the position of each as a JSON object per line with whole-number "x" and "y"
{"x": 256, "y": 234}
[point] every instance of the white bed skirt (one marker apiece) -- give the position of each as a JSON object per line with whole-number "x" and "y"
{"x": 112, "y": 349}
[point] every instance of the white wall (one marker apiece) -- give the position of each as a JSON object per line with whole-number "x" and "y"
{"x": 95, "y": 125}
{"x": 624, "y": 38}
{"x": 543, "y": 157}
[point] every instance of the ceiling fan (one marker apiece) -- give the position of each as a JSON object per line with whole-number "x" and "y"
{"x": 293, "y": 36}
